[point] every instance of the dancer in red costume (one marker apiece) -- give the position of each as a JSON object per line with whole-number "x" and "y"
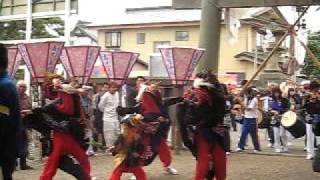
{"x": 64, "y": 143}
{"x": 201, "y": 118}
{"x": 153, "y": 109}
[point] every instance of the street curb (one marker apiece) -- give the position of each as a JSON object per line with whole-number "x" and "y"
{"x": 272, "y": 154}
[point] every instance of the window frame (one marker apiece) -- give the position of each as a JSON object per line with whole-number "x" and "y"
{"x": 144, "y": 38}
{"x": 52, "y": 3}
{"x": 118, "y": 43}
{"x": 180, "y": 39}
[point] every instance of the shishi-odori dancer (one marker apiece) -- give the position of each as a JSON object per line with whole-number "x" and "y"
{"x": 201, "y": 125}
{"x": 63, "y": 121}
{"x": 129, "y": 149}
{"x": 154, "y": 110}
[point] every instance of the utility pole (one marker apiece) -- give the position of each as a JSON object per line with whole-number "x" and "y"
{"x": 210, "y": 35}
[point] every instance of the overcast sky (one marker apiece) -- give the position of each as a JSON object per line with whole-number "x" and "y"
{"x": 90, "y": 10}
{"x": 312, "y": 17}
{"x": 113, "y": 8}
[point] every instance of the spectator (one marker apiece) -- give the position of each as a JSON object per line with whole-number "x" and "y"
{"x": 9, "y": 119}
{"x": 132, "y": 92}
{"x": 108, "y": 105}
{"x": 250, "y": 120}
{"x": 26, "y": 106}
{"x": 279, "y": 106}
{"x": 98, "y": 115}
{"x": 86, "y": 103}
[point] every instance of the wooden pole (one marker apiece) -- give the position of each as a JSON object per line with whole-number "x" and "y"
{"x": 262, "y": 66}
{"x": 176, "y": 141}
{"x": 310, "y": 53}
{"x": 209, "y": 39}
{"x": 292, "y": 57}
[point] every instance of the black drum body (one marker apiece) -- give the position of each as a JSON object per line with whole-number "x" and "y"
{"x": 298, "y": 129}
{"x": 291, "y": 122}
{"x": 316, "y": 125}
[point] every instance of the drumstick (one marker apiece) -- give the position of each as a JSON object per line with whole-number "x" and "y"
{"x": 26, "y": 111}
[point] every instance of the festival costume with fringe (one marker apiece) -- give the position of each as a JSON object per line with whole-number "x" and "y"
{"x": 153, "y": 108}
{"x": 129, "y": 149}
{"x": 200, "y": 119}
{"x": 63, "y": 117}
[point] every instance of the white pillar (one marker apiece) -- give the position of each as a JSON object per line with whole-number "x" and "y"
{"x": 27, "y": 76}
{"x": 29, "y": 20}
{"x": 67, "y": 8}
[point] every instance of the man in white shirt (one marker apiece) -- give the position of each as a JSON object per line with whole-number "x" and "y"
{"x": 250, "y": 121}
{"x": 108, "y": 105}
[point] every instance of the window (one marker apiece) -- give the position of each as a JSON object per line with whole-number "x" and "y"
{"x": 12, "y": 7}
{"x": 113, "y": 39}
{"x": 158, "y": 44}
{"x": 141, "y": 38}
{"x": 182, "y": 35}
{"x": 52, "y": 5}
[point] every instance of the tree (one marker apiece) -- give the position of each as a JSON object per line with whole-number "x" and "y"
{"x": 47, "y": 28}
{"x": 310, "y": 69}
{"x": 41, "y": 28}
{"x": 12, "y": 30}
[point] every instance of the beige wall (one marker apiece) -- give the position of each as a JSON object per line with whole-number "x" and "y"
{"x": 246, "y": 42}
{"x": 129, "y": 39}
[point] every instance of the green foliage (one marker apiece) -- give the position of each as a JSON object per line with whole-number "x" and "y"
{"x": 19, "y": 75}
{"x": 39, "y": 27}
{"x": 15, "y": 30}
{"x": 12, "y": 30}
{"x": 310, "y": 69}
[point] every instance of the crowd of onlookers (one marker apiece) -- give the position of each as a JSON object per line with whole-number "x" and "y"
{"x": 257, "y": 108}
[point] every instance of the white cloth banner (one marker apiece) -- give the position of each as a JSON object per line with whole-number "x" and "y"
{"x": 300, "y": 52}
{"x": 232, "y": 19}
